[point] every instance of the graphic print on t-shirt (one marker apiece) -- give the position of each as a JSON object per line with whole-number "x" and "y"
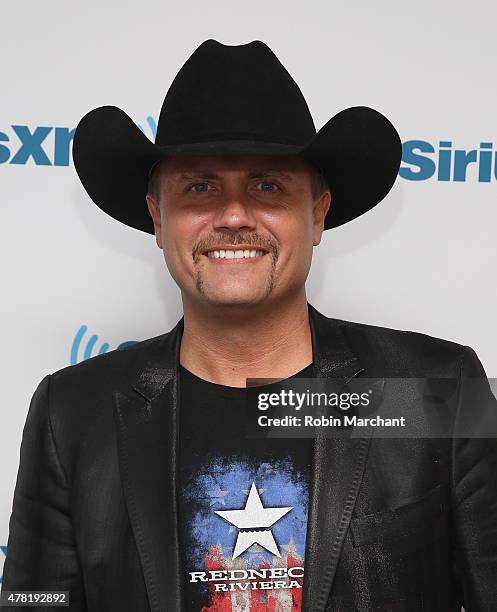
{"x": 246, "y": 526}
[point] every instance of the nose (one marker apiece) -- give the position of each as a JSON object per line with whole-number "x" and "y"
{"x": 235, "y": 213}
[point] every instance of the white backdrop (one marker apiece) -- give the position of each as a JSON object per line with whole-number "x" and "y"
{"x": 423, "y": 260}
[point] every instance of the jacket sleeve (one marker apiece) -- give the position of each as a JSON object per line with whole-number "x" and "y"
{"x": 474, "y": 487}
{"x": 41, "y": 549}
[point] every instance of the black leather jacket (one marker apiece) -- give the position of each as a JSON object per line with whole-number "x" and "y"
{"x": 395, "y": 525}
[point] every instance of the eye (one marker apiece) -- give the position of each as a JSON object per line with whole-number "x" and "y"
{"x": 203, "y": 187}
{"x": 269, "y": 184}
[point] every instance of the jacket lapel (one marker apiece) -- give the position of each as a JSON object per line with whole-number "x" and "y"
{"x": 146, "y": 420}
{"x": 146, "y": 417}
{"x": 338, "y": 467}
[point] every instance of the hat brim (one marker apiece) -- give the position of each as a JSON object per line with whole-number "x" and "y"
{"x": 358, "y": 150}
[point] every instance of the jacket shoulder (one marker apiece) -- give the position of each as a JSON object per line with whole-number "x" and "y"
{"x": 79, "y": 398}
{"x": 405, "y": 352}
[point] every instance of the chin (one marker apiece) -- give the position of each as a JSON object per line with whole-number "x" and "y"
{"x": 235, "y": 299}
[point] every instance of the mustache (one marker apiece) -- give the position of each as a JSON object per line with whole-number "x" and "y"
{"x": 269, "y": 243}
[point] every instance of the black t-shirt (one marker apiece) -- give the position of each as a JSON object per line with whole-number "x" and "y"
{"x": 243, "y": 505}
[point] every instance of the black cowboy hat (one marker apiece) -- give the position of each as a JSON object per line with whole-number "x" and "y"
{"x": 229, "y": 100}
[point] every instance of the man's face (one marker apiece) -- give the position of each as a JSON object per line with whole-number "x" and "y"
{"x": 237, "y": 230}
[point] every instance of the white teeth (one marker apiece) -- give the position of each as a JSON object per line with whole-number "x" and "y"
{"x": 234, "y": 254}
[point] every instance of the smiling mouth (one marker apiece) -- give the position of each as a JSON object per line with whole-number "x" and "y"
{"x": 233, "y": 255}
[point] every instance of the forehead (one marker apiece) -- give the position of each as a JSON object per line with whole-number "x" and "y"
{"x": 175, "y": 166}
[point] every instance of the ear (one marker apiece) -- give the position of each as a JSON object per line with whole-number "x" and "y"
{"x": 321, "y": 207}
{"x": 155, "y": 213}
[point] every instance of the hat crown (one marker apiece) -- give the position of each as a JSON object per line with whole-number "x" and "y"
{"x": 234, "y": 92}
{"x": 236, "y": 100}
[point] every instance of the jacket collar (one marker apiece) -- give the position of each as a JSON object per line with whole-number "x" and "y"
{"x": 146, "y": 411}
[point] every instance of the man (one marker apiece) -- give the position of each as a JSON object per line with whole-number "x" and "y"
{"x": 138, "y": 488}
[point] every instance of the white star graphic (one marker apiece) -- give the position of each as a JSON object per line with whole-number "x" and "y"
{"x": 254, "y": 516}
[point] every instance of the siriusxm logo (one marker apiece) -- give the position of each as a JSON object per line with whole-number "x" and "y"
{"x": 421, "y": 159}
{"x": 31, "y": 143}
{"x": 44, "y": 145}
{"x": 447, "y": 163}
{"x": 88, "y": 346}
{"x": 3, "y": 554}
{"x": 152, "y": 127}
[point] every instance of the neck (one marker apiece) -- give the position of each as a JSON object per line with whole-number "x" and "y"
{"x": 227, "y": 345}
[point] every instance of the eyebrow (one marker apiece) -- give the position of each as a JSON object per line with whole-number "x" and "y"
{"x": 254, "y": 173}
